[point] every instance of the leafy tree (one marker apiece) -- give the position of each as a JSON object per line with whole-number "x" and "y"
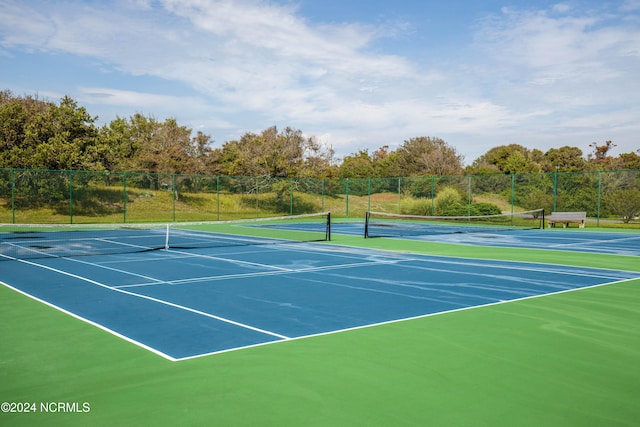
{"x": 145, "y": 144}
{"x": 39, "y": 134}
{"x": 480, "y": 166}
{"x": 385, "y": 163}
{"x": 428, "y": 156}
{"x": 358, "y": 165}
{"x": 625, "y": 203}
{"x": 119, "y": 137}
{"x": 535, "y": 198}
{"x": 564, "y": 159}
{"x": 168, "y": 149}
{"x": 515, "y": 163}
{"x": 318, "y": 160}
{"x": 627, "y": 161}
{"x": 273, "y": 154}
{"x": 358, "y": 168}
{"x": 279, "y": 154}
{"x": 537, "y": 156}
{"x": 14, "y": 117}
{"x": 205, "y": 161}
{"x": 507, "y": 159}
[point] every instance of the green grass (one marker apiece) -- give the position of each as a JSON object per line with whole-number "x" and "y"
{"x": 106, "y": 204}
{"x": 160, "y": 206}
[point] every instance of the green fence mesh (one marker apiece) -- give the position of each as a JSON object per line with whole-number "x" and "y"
{"x": 610, "y": 198}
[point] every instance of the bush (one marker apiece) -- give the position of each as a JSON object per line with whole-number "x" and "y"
{"x": 447, "y": 201}
{"x": 412, "y": 206}
{"x": 459, "y": 209}
{"x": 486, "y": 209}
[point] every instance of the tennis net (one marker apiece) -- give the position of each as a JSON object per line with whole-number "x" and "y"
{"x": 29, "y": 241}
{"x": 380, "y": 224}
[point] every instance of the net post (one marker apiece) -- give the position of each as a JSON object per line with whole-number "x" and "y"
{"x": 366, "y": 224}
{"x": 166, "y": 238}
{"x": 328, "y": 234}
{"x": 542, "y": 226}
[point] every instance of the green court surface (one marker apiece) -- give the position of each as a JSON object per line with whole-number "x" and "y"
{"x": 568, "y": 359}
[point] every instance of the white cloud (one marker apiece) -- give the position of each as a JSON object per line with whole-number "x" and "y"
{"x": 248, "y": 64}
{"x": 630, "y": 5}
{"x": 188, "y": 109}
{"x": 566, "y": 64}
{"x": 561, "y": 7}
{"x": 141, "y": 100}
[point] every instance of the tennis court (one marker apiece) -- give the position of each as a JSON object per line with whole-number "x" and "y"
{"x": 239, "y": 295}
{"x": 495, "y": 231}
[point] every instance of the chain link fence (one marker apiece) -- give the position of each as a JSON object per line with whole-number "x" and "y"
{"x": 610, "y": 198}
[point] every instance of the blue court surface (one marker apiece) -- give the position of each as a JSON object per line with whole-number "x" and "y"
{"x": 183, "y": 304}
{"x": 576, "y": 240}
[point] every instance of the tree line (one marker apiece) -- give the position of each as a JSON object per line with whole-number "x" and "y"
{"x": 40, "y": 134}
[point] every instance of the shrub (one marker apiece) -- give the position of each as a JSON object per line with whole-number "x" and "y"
{"x": 447, "y": 201}
{"x": 486, "y": 209}
{"x": 413, "y": 206}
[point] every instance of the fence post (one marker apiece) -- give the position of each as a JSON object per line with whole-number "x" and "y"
{"x": 513, "y": 192}
{"x": 174, "y": 194}
{"x": 469, "y": 195}
{"x": 433, "y": 194}
{"x": 124, "y": 194}
{"x": 399, "y": 195}
{"x": 555, "y": 189}
{"x": 599, "y": 199}
{"x": 257, "y": 196}
{"x": 13, "y": 196}
{"x": 290, "y": 196}
{"x": 346, "y": 194}
{"x": 70, "y": 197}
{"x": 368, "y": 194}
{"x": 322, "y": 194}
{"x": 218, "y": 197}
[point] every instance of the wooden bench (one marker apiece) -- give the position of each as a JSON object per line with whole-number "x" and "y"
{"x": 566, "y": 218}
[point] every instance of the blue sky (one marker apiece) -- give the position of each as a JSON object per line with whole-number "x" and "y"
{"x": 355, "y": 74}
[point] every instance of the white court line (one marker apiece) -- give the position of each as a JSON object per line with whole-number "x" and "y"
{"x": 157, "y": 300}
{"x": 185, "y": 255}
{"x": 259, "y": 274}
{"x": 232, "y": 261}
{"x": 587, "y": 242}
{"x": 105, "y": 267}
{"x": 506, "y": 262}
{"x": 397, "y": 256}
{"x": 497, "y": 264}
{"x": 97, "y": 325}
{"x": 49, "y": 255}
{"x": 401, "y": 257}
{"x": 388, "y": 322}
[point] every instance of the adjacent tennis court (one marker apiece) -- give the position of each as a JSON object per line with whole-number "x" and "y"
{"x": 346, "y": 318}
{"x": 519, "y": 230}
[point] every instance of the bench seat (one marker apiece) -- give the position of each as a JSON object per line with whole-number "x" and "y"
{"x": 566, "y": 218}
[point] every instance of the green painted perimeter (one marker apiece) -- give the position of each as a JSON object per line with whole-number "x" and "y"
{"x": 568, "y": 359}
